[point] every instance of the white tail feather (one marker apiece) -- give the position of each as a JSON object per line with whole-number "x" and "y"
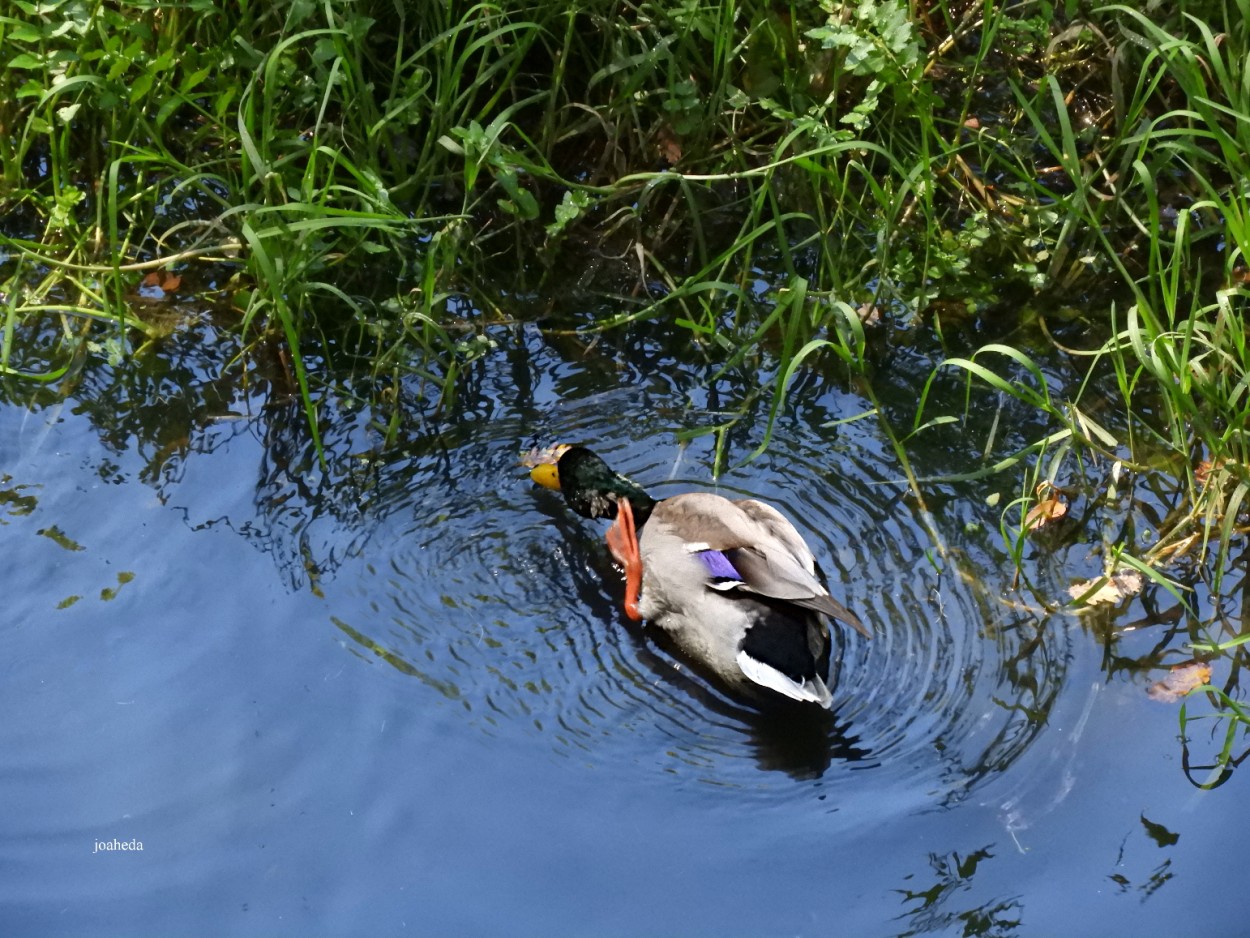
{"x": 766, "y": 675}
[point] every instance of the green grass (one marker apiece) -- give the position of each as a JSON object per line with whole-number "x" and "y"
{"x": 1158, "y": 202}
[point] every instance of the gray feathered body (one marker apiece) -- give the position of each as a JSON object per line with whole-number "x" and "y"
{"x": 736, "y": 587}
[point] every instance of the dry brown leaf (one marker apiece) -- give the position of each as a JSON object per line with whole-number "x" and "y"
{"x": 869, "y": 313}
{"x": 1044, "y": 512}
{"x": 1204, "y": 469}
{"x": 1118, "y": 586}
{"x": 1180, "y": 681}
{"x": 669, "y": 145}
{"x": 1177, "y": 550}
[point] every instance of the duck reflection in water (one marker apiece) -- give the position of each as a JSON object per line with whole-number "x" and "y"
{"x": 783, "y": 736}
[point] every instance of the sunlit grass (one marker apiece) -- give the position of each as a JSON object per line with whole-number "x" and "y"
{"x": 1161, "y": 204}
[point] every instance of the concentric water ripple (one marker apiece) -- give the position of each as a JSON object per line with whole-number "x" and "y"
{"x": 502, "y": 600}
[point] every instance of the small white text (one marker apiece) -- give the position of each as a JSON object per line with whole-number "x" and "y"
{"x": 116, "y": 844}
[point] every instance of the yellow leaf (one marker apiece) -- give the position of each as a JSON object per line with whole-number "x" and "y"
{"x": 1180, "y": 681}
{"x": 1118, "y": 586}
{"x": 1044, "y": 512}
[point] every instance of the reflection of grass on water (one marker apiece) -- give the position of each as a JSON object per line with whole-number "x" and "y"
{"x": 781, "y": 185}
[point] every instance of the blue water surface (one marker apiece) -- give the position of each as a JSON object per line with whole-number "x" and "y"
{"x": 402, "y": 698}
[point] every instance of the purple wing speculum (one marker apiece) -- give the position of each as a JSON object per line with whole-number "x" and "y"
{"x": 719, "y": 568}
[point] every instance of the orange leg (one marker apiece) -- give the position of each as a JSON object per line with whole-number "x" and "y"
{"x": 623, "y": 543}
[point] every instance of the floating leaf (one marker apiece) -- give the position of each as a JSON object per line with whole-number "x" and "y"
{"x": 110, "y": 593}
{"x": 1117, "y": 587}
{"x": 16, "y": 500}
{"x": 57, "y": 536}
{"x": 1180, "y": 681}
{"x": 1044, "y": 512}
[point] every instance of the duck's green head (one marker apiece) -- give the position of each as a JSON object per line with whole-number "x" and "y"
{"x": 590, "y": 487}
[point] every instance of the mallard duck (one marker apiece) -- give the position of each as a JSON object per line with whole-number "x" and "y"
{"x": 732, "y": 582}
